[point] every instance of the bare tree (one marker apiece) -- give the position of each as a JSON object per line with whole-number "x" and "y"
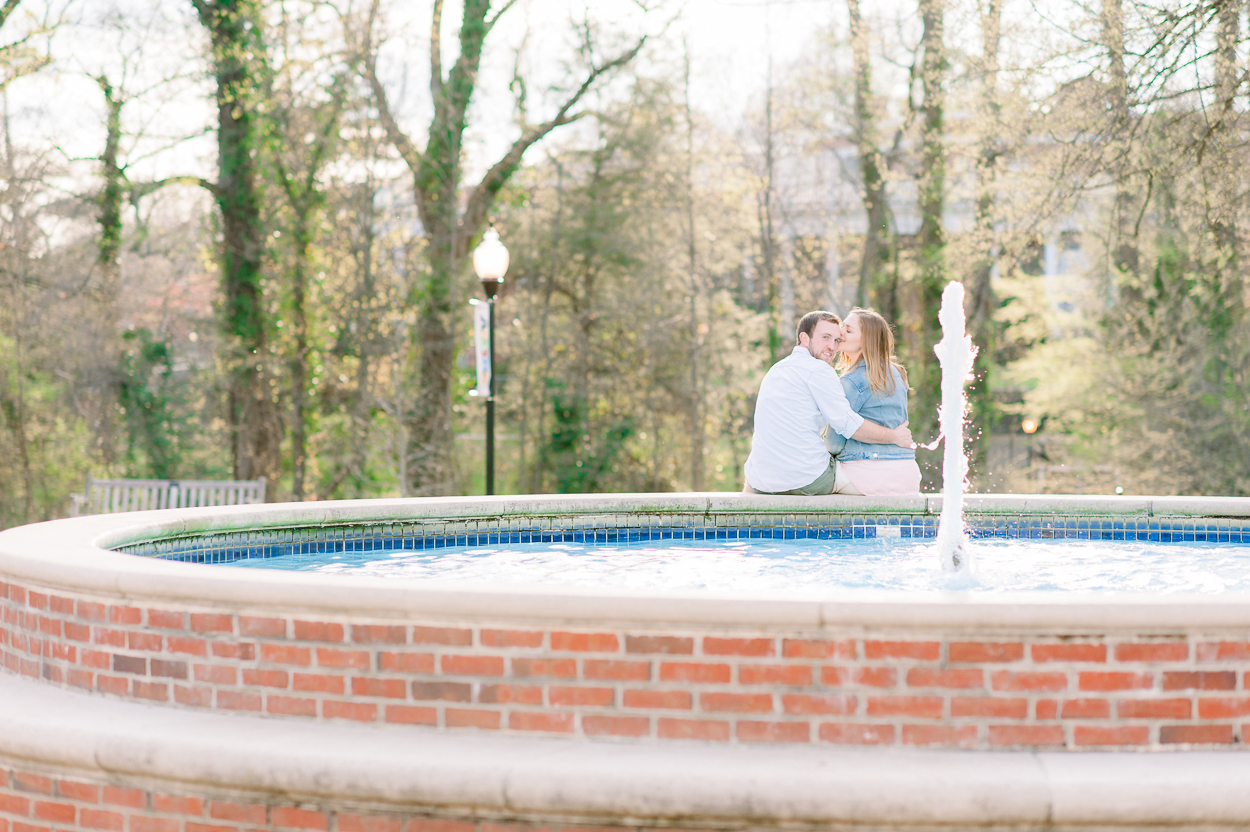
{"x": 452, "y": 220}
{"x": 931, "y": 75}
{"x": 16, "y": 233}
{"x": 7, "y": 9}
{"x": 239, "y": 64}
{"x": 766, "y": 218}
{"x": 1222, "y": 214}
{"x": 920, "y": 316}
{"x": 871, "y": 164}
{"x": 19, "y": 57}
{"x": 1124, "y": 229}
{"x": 304, "y": 139}
{"x": 695, "y": 283}
{"x": 980, "y": 302}
{"x": 112, "y": 191}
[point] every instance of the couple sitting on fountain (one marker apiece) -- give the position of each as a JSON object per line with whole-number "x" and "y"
{"x": 816, "y": 433}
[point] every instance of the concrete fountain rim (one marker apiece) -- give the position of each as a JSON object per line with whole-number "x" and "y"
{"x": 75, "y": 554}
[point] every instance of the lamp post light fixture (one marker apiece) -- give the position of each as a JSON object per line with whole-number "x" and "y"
{"x": 490, "y": 261}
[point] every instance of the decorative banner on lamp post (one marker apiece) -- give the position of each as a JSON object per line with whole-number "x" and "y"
{"x": 481, "y": 344}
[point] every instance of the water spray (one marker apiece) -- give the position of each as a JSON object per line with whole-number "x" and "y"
{"x": 955, "y": 353}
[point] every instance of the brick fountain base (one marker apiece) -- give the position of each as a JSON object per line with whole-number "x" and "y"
{"x": 144, "y": 695}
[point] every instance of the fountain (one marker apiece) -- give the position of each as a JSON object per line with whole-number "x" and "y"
{"x": 955, "y": 353}
{"x": 148, "y": 685}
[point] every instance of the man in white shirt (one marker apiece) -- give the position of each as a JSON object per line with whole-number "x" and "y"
{"x": 799, "y": 396}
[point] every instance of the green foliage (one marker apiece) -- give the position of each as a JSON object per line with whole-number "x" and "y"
{"x": 1181, "y": 360}
{"x": 599, "y": 358}
{"x": 240, "y": 66}
{"x": 327, "y": 288}
{"x": 43, "y": 445}
{"x": 582, "y": 463}
{"x": 1160, "y": 390}
{"x": 145, "y": 400}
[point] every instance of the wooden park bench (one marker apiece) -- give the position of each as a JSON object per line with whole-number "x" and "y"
{"x": 110, "y": 496}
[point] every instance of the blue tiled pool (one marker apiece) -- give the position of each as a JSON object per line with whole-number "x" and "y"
{"x": 744, "y": 551}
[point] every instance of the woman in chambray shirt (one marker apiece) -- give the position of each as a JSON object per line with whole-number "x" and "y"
{"x": 876, "y": 388}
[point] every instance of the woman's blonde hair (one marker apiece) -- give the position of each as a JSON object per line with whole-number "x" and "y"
{"x": 877, "y": 351}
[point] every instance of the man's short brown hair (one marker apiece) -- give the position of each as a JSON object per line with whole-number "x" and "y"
{"x": 807, "y": 324}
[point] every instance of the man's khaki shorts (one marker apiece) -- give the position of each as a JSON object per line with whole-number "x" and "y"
{"x": 832, "y": 481}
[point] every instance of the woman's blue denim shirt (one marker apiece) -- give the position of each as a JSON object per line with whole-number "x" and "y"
{"x": 890, "y": 411}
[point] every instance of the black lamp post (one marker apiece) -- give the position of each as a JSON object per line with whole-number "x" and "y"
{"x": 490, "y": 261}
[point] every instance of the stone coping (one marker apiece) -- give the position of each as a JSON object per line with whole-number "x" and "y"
{"x": 338, "y": 512}
{"x": 676, "y": 785}
{"x": 74, "y": 554}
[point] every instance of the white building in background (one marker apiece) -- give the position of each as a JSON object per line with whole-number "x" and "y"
{"x": 816, "y": 196}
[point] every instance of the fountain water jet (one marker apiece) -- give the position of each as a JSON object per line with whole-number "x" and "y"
{"x": 955, "y": 353}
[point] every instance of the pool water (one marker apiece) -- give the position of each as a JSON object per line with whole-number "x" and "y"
{"x": 805, "y": 567}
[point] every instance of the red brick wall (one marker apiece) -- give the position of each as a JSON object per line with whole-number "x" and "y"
{"x": 41, "y": 802}
{"x": 705, "y": 683}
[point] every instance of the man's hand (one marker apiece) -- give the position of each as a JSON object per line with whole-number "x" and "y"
{"x": 875, "y": 434}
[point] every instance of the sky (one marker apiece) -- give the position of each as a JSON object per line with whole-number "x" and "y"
{"x": 729, "y": 43}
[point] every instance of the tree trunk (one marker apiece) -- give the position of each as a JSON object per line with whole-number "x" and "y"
{"x": 110, "y": 200}
{"x": 933, "y": 152}
{"x": 981, "y": 303}
{"x": 436, "y": 184}
{"x": 1113, "y": 42}
{"x": 234, "y": 28}
{"x": 872, "y": 188}
{"x": 768, "y": 234}
{"x": 1126, "y": 256}
{"x": 696, "y": 396}
{"x": 305, "y": 199}
{"x": 1218, "y": 161}
{"x": 450, "y": 229}
{"x": 108, "y": 262}
{"x": 1223, "y": 215}
{"x": 429, "y": 429}
{"x": 13, "y": 407}
{"x": 15, "y": 252}
{"x": 541, "y": 458}
{"x": 7, "y": 9}
{"x": 363, "y": 401}
{"x": 298, "y": 363}
{"x": 932, "y": 273}
{"x": 785, "y": 285}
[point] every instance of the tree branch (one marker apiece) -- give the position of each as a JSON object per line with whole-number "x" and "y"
{"x": 436, "y": 49}
{"x": 322, "y": 148}
{"x": 479, "y": 201}
{"x": 517, "y": 85}
{"x": 307, "y": 194}
{"x": 407, "y": 150}
{"x": 490, "y": 24}
{"x": 138, "y": 190}
{"x": 450, "y": 107}
{"x": 10, "y": 5}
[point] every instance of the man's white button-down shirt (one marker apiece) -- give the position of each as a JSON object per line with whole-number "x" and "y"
{"x": 800, "y": 394}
